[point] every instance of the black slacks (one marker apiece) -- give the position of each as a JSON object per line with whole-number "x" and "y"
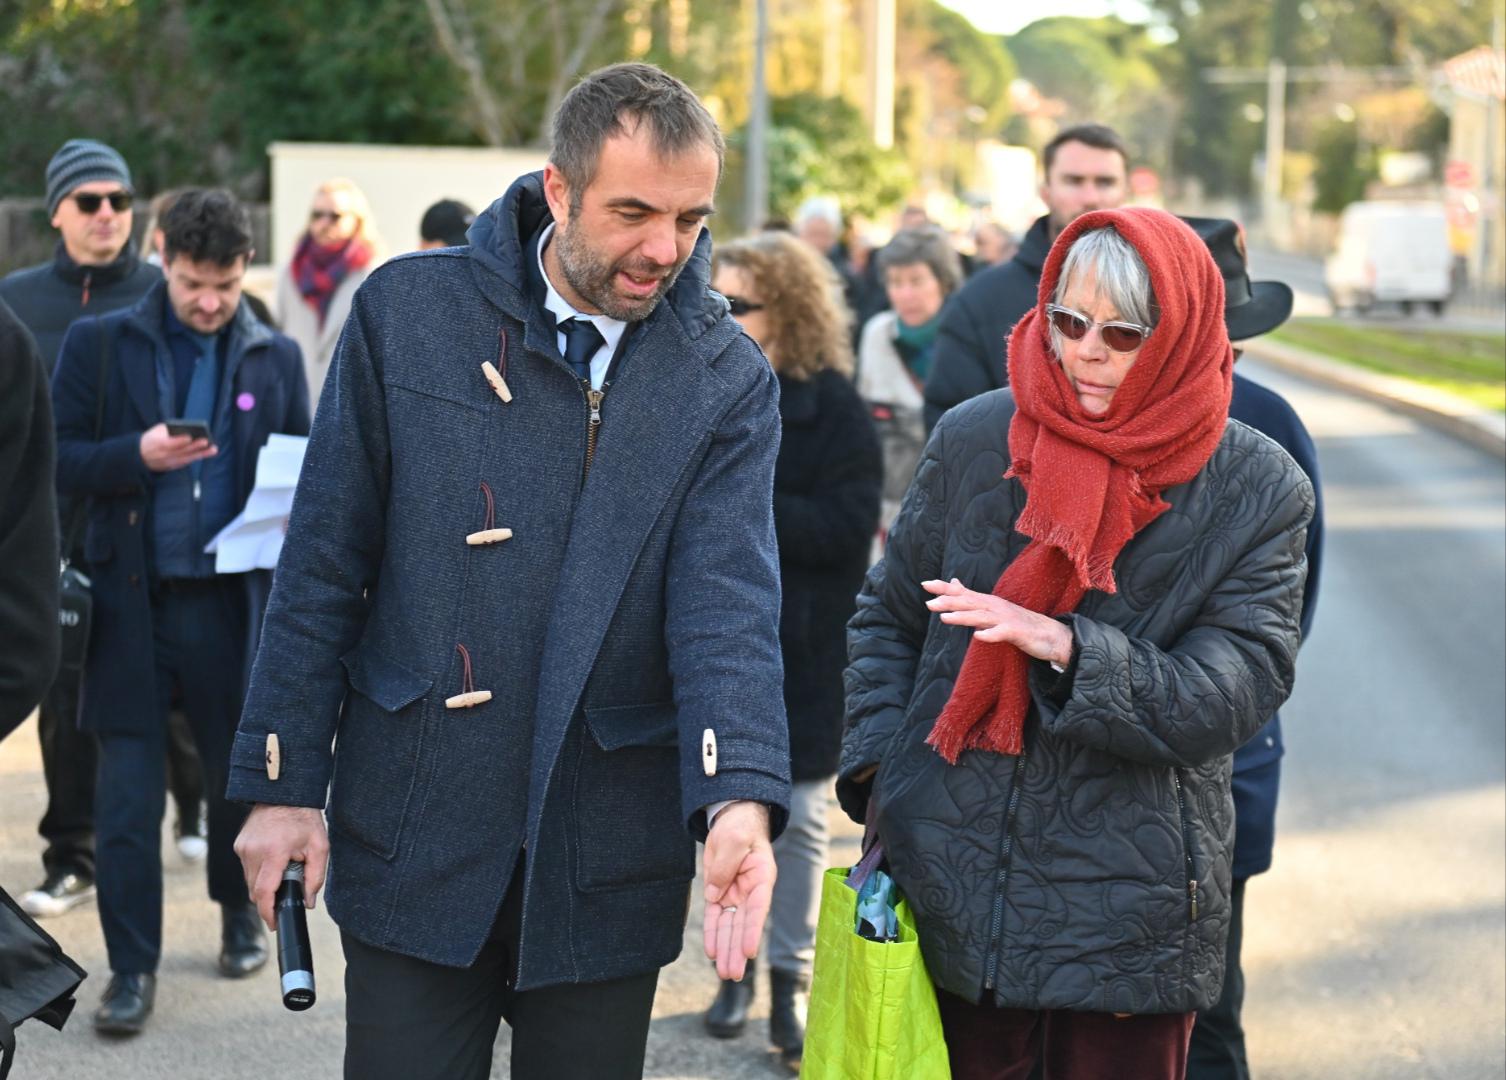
{"x": 69, "y": 758}
{"x": 1218, "y": 1040}
{"x": 408, "y": 1019}
{"x": 198, "y": 630}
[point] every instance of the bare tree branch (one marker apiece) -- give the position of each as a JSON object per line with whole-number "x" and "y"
{"x": 458, "y": 40}
{"x": 591, "y": 28}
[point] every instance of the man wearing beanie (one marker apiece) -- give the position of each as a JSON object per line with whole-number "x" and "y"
{"x": 94, "y": 270}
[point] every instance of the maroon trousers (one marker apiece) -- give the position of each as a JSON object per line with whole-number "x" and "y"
{"x": 985, "y": 1042}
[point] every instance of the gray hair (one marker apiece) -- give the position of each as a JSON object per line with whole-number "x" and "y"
{"x": 1123, "y": 279}
{"x": 824, "y": 207}
{"x": 596, "y": 108}
{"x": 928, "y": 245}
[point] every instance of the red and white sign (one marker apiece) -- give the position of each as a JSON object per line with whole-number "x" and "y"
{"x": 1459, "y": 174}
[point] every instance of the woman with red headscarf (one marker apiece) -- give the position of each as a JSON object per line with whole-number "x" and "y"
{"x": 1090, "y": 598}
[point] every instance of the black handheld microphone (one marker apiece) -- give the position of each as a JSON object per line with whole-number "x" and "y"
{"x": 294, "y": 957}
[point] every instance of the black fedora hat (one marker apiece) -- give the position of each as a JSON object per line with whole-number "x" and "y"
{"x": 1251, "y": 308}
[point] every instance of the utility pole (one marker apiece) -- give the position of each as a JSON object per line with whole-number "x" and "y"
{"x": 880, "y": 32}
{"x": 1275, "y": 146}
{"x": 756, "y": 206}
{"x": 831, "y": 48}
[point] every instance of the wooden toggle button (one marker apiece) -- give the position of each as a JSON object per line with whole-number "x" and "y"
{"x": 274, "y": 757}
{"x": 498, "y": 383}
{"x": 708, "y": 752}
{"x": 465, "y": 701}
{"x": 488, "y": 536}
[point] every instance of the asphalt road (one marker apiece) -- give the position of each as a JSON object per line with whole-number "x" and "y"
{"x": 1375, "y": 948}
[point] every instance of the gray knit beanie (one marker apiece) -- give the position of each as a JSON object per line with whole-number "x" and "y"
{"x": 82, "y": 161}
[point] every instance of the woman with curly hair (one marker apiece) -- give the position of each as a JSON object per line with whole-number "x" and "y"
{"x": 826, "y": 506}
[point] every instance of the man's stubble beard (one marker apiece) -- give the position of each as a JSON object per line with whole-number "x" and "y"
{"x": 593, "y": 279}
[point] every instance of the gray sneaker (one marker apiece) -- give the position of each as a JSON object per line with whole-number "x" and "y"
{"x": 59, "y": 893}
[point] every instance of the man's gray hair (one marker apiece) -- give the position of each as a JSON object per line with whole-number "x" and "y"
{"x": 612, "y": 101}
{"x": 824, "y": 207}
{"x": 1123, "y": 279}
{"x": 928, "y": 245}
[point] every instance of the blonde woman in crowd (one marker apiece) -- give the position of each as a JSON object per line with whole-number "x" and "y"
{"x": 338, "y": 248}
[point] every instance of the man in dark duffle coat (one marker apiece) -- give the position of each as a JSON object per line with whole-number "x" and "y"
{"x": 530, "y": 595}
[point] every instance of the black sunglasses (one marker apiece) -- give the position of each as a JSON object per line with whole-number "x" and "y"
{"x": 320, "y": 215}
{"x": 89, "y": 202}
{"x": 740, "y": 306}
{"x": 1074, "y": 326}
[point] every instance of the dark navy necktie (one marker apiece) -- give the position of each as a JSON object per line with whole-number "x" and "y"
{"x": 582, "y": 340}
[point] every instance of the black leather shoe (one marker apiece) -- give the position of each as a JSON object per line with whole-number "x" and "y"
{"x": 243, "y": 944}
{"x": 788, "y": 993}
{"x": 728, "y": 1014}
{"x": 127, "y": 1003}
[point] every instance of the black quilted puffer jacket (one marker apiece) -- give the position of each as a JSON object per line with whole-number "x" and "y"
{"x": 1092, "y": 872}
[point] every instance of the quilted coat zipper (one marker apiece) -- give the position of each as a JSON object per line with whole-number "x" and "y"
{"x": 1176, "y": 782}
{"x": 1006, "y": 846}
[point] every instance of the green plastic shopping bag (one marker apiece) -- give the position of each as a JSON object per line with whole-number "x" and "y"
{"x": 873, "y": 1012}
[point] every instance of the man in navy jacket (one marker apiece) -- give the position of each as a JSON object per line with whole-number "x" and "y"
{"x": 164, "y": 620}
{"x": 526, "y": 619}
{"x": 1252, "y": 308}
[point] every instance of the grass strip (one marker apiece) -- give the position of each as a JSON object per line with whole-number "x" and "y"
{"x": 1471, "y": 365}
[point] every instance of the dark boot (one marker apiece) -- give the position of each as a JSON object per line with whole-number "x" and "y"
{"x": 127, "y": 1003}
{"x": 728, "y": 1014}
{"x": 788, "y": 995}
{"x": 243, "y": 944}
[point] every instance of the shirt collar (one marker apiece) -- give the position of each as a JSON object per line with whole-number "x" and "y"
{"x": 611, "y": 329}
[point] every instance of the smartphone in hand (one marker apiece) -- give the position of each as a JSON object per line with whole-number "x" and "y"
{"x": 197, "y": 428}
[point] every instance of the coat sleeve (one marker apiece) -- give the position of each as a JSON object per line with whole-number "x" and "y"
{"x": 823, "y": 526}
{"x": 886, "y": 635}
{"x": 317, "y": 610}
{"x": 722, "y": 617}
{"x": 87, "y": 467}
{"x": 963, "y": 360}
{"x": 28, "y": 527}
{"x": 1227, "y": 675}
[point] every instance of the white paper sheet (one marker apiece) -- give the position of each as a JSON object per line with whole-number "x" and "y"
{"x": 254, "y": 539}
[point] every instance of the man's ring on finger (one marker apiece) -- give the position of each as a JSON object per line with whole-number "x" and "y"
{"x": 729, "y": 909}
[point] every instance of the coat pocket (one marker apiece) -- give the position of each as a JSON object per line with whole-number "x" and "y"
{"x": 626, "y": 804}
{"x": 377, "y": 753}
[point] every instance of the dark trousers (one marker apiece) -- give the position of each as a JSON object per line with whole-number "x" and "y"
{"x": 69, "y": 761}
{"x": 185, "y": 775}
{"x": 1218, "y": 1040}
{"x": 988, "y": 1043}
{"x": 408, "y": 1019}
{"x": 198, "y": 631}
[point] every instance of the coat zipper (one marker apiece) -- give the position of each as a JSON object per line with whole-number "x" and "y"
{"x": 1176, "y": 782}
{"x": 1006, "y": 846}
{"x": 594, "y": 398}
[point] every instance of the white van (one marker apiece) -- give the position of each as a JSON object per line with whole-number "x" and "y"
{"x": 1390, "y": 252}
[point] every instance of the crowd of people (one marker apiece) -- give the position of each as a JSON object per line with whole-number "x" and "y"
{"x": 608, "y": 542}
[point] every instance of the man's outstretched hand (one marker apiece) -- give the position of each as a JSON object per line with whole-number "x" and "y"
{"x": 739, "y": 872}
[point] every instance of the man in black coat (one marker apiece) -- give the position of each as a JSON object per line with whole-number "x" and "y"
{"x": 166, "y": 622}
{"x": 94, "y": 270}
{"x": 1085, "y": 168}
{"x": 28, "y": 527}
{"x": 1252, "y": 308}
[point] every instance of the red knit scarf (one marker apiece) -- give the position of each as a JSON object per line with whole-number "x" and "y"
{"x": 1091, "y": 482}
{"x": 319, "y": 270}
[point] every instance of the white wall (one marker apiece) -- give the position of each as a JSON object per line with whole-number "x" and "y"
{"x": 400, "y": 181}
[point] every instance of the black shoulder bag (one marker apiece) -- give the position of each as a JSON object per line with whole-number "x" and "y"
{"x": 75, "y": 599}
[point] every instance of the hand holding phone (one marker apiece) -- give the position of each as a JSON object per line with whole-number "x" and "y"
{"x": 162, "y": 451}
